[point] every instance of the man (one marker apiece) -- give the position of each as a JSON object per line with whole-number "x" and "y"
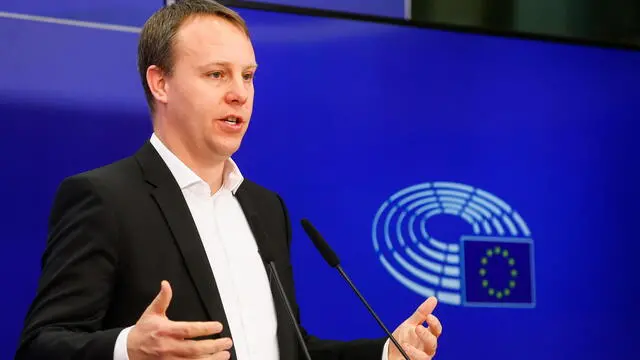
{"x": 157, "y": 256}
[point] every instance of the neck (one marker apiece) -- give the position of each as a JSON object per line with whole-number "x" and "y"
{"x": 211, "y": 170}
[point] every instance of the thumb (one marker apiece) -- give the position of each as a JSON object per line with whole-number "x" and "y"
{"x": 161, "y": 302}
{"x": 421, "y": 313}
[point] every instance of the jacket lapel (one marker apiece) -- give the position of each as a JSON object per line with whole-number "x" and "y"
{"x": 170, "y": 200}
{"x": 287, "y": 339}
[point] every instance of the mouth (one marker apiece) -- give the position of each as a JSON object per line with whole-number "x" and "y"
{"x": 233, "y": 120}
{"x": 231, "y": 124}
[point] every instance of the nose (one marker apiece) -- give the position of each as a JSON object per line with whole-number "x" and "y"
{"x": 237, "y": 93}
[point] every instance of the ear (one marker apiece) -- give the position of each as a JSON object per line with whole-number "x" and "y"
{"x": 156, "y": 79}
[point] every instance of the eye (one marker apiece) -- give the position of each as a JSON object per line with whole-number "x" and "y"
{"x": 248, "y": 76}
{"x": 216, "y": 74}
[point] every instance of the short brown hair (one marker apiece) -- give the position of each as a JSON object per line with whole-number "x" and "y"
{"x": 157, "y": 37}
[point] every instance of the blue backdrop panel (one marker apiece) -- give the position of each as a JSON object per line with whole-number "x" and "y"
{"x": 366, "y": 110}
{"x": 70, "y": 100}
{"x": 421, "y": 155}
{"x": 391, "y": 8}
{"x": 122, "y": 12}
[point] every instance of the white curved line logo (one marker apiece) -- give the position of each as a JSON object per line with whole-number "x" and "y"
{"x": 433, "y": 267}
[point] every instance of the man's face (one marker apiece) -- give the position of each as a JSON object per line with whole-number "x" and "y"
{"x": 210, "y": 91}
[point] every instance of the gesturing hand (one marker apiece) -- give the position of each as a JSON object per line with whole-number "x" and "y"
{"x": 156, "y": 337}
{"x": 418, "y": 342}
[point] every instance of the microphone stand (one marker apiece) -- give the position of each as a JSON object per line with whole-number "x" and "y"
{"x": 274, "y": 273}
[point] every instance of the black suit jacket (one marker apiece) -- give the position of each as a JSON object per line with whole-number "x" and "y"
{"x": 115, "y": 233}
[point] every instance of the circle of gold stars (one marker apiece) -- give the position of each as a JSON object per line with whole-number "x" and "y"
{"x": 498, "y": 252}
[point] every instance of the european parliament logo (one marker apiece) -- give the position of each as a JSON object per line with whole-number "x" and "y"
{"x": 489, "y": 264}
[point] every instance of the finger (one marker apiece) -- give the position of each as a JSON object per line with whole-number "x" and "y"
{"x": 194, "y": 349}
{"x": 219, "y": 355}
{"x": 429, "y": 341}
{"x": 223, "y": 355}
{"x": 160, "y": 304}
{"x": 414, "y": 353}
{"x": 421, "y": 313}
{"x": 188, "y": 329}
{"x": 435, "y": 327}
{"x": 191, "y": 348}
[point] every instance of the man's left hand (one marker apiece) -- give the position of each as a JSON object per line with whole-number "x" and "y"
{"x": 418, "y": 341}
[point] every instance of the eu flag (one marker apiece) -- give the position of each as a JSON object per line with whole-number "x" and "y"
{"x": 498, "y": 271}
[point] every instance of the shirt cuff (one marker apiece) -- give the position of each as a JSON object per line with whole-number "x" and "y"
{"x": 120, "y": 349}
{"x": 385, "y": 350}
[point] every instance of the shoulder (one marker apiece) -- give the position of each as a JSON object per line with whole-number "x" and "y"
{"x": 104, "y": 184}
{"x": 119, "y": 174}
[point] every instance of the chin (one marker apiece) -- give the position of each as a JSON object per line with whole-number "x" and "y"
{"x": 226, "y": 149}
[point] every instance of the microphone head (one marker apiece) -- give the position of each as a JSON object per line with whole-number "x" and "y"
{"x": 329, "y": 256}
{"x": 262, "y": 239}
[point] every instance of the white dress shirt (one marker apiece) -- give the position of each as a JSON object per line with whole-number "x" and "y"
{"x": 234, "y": 259}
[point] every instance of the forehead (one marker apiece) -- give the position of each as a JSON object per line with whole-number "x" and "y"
{"x": 207, "y": 38}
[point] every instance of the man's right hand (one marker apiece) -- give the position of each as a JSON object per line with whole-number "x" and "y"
{"x": 156, "y": 337}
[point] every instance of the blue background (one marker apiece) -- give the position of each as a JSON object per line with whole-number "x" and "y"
{"x": 346, "y": 114}
{"x": 390, "y": 8}
{"x": 123, "y": 12}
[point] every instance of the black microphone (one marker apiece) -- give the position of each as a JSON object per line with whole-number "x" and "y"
{"x": 264, "y": 248}
{"x": 332, "y": 259}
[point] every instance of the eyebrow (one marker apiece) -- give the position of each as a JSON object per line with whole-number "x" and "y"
{"x": 228, "y": 64}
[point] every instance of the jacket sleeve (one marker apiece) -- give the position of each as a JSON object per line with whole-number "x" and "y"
{"x": 78, "y": 270}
